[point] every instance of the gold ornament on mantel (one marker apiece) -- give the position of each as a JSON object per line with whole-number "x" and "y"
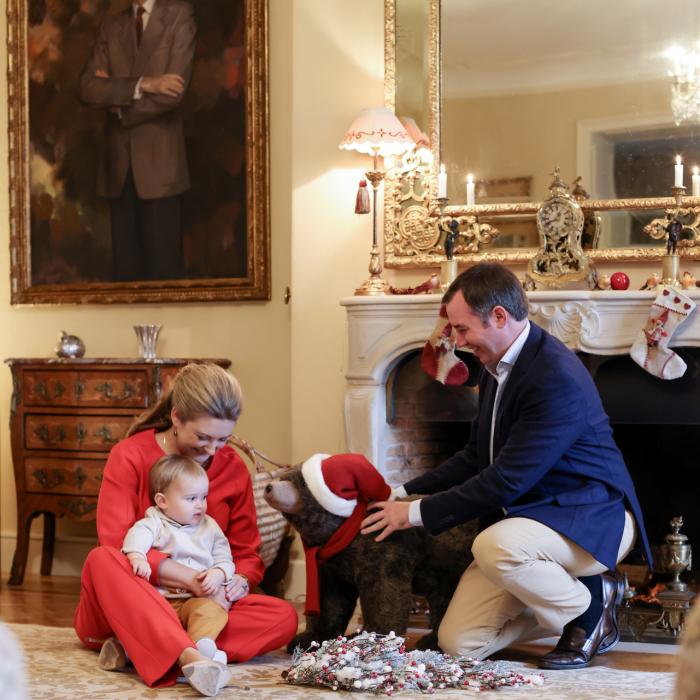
{"x": 560, "y": 223}
{"x": 680, "y": 227}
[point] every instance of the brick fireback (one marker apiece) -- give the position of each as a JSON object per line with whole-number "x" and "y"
{"x": 426, "y": 421}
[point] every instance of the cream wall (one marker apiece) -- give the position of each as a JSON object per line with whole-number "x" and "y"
{"x": 338, "y": 67}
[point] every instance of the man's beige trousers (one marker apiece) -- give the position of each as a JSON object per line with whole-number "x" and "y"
{"x": 522, "y": 585}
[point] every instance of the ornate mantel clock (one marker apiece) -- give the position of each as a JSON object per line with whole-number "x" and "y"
{"x": 560, "y": 224}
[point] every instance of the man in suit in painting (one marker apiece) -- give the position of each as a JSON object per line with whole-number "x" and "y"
{"x": 138, "y": 71}
{"x": 541, "y": 471}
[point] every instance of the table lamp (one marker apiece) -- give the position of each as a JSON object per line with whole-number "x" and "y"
{"x": 378, "y": 133}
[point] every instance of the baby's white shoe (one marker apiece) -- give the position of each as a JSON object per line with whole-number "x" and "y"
{"x": 220, "y": 657}
{"x": 207, "y": 647}
{"x": 206, "y": 677}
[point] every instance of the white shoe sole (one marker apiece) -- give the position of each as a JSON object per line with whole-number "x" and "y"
{"x": 206, "y": 677}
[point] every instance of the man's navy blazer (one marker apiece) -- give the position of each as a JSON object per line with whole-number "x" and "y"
{"x": 555, "y": 460}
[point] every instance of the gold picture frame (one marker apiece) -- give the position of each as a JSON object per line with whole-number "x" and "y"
{"x": 227, "y": 245}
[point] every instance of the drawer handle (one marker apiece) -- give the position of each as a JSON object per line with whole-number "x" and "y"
{"x": 79, "y": 389}
{"x": 43, "y": 391}
{"x": 80, "y": 477}
{"x": 106, "y": 390}
{"x": 46, "y": 481}
{"x": 81, "y": 433}
{"x": 78, "y": 507}
{"x": 43, "y": 433}
{"x": 106, "y": 434}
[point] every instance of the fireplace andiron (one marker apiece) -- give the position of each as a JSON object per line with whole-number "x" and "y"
{"x": 668, "y": 618}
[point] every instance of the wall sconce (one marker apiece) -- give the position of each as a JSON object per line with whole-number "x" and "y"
{"x": 378, "y": 133}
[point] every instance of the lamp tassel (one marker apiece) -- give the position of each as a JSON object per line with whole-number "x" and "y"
{"x": 362, "y": 199}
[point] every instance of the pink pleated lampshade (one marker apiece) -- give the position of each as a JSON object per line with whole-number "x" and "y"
{"x": 377, "y": 132}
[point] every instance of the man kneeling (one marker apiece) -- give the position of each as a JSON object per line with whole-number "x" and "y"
{"x": 542, "y": 472}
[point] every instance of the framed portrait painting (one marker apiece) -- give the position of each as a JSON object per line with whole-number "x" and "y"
{"x": 138, "y": 149}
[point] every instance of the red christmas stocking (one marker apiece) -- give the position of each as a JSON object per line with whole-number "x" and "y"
{"x": 439, "y": 359}
{"x": 650, "y": 350}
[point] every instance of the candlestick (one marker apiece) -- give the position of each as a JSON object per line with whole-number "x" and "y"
{"x": 678, "y": 171}
{"x": 470, "y": 190}
{"x": 442, "y": 183}
{"x": 670, "y": 266}
{"x": 696, "y": 181}
{"x": 448, "y": 273}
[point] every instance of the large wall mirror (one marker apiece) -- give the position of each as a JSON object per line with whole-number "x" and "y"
{"x": 508, "y": 90}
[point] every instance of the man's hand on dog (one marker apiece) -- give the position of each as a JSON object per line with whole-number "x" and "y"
{"x": 386, "y": 517}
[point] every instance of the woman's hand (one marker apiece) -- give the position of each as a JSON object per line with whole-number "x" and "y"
{"x": 237, "y": 588}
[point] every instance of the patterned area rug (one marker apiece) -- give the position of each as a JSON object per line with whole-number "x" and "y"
{"x": 59, "y": 668}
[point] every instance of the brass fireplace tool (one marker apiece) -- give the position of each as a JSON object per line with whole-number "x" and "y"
{"x": 675, "y": 557}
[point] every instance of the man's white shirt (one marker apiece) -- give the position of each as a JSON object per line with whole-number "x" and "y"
{"x": 500, "y": 374}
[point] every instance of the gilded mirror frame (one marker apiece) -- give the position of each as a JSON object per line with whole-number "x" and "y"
{"x": 245, "y": 164}
{"x": 412, "y": 235}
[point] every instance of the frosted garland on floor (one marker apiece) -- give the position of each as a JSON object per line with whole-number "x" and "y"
{"x": 375, "y": 663}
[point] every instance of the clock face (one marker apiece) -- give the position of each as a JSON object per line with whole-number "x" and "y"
{"x": 557, "y": 218}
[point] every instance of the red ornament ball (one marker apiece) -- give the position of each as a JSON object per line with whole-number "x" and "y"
{"x": 619, "y": 280}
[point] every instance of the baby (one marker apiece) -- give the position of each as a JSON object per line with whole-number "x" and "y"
{"x": 179, "y": 526}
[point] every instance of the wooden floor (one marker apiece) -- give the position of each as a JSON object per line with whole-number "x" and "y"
{"x": 51, "y": 600}
{"x": 40, "y": 600}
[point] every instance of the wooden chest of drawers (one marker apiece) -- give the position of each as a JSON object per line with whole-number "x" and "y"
{"x": 65, "y": 417}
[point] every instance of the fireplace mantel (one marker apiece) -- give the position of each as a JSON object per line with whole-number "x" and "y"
{"x": 383, "y": 329}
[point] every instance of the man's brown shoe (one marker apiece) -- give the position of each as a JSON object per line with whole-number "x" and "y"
{"x": 575, "y": 649}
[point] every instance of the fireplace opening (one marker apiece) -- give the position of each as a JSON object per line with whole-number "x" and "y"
{"x": 427, "y": 422}
{"x": 656, "y": 424}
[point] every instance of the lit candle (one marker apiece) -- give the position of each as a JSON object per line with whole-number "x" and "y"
{"x": 696, "y": 181}
{"x": 470, "y": 190}
{"x": 678, "y": 168}
{"x": 442, "y": 183}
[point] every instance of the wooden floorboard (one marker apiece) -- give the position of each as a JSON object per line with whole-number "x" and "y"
{"x": 40, "y": 600}
{"x": 51, "y": 600}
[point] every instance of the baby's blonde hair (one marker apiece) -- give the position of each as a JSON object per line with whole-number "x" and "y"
{"x": 170, "y": 468}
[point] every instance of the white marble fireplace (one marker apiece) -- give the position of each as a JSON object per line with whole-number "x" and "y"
{"x": 382, "y": 330}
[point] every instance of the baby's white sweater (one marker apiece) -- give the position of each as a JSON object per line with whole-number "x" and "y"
{"x": 199, "y": 546}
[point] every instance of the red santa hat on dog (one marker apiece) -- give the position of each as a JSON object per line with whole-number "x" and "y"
{"x": 337, "y": 482}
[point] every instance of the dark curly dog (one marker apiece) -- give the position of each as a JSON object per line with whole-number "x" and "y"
{"x": 384, "y": 575}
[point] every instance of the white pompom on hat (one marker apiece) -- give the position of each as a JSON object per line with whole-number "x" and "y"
{"x": 337, "y": 482}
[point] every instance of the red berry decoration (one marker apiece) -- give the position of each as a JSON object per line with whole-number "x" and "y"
{"x": 619, "y": 280}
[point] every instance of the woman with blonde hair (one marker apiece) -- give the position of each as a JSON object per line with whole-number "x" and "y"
{"x": 123, "y": 615}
